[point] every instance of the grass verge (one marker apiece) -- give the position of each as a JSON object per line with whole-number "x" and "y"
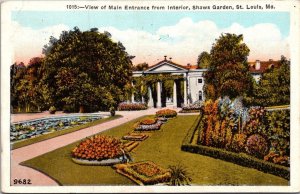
{"x": 163, "y": 148}
{"x": 59, "y": 133}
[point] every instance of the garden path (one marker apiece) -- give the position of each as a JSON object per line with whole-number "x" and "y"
{"x": 25, "y": 153}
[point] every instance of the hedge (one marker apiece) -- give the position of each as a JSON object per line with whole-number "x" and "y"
{"x": 237, "y": 158}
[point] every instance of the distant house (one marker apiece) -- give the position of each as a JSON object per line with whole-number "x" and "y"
{"x": 258, "y": 67}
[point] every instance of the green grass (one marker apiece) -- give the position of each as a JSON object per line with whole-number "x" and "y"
{"x": 163, "y": 148}
{"x": 62, "y": 132}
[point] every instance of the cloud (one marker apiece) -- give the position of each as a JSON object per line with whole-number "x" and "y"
{"x": 183, "y": 41}
{"x": 28, "y": 42}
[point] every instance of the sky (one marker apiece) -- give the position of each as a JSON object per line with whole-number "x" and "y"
{"x": 150, "y": 35}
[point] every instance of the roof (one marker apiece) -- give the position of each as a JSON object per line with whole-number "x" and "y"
{"x": 264, "y": 66}
{"x": 174, "y": 64}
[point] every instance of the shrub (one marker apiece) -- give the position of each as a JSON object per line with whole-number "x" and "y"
{"x": 277, "y": 158}
{"x": 238, "y": 142}
{"x": 179, "y": 175}
{"x": 257, "y": 146}
{"x": 52, "y": 110}
{"x": 132, "y": 106}
{"x": 167, "y": 113}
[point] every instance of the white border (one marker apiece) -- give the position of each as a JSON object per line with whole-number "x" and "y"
{"x": 6, "y": 55}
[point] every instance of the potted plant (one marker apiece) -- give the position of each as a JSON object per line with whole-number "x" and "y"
{"x": 52, "y": 110}
{"x": 112, "y": 111}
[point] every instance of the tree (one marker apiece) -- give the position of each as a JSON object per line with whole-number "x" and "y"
{"x": 24, "y": 85}
{"x": 274, "y": 86}
{"x": 203, "y": 60}
{"x": 17, "y": 73}
{"x": 141, "y": 67}
{"x": 228, "y": 73}
{"x": 80, "y": 68}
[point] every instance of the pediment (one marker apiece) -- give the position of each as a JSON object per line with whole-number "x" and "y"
{"x": 165, "y": 67}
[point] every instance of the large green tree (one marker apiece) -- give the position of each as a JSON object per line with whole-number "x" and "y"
{"x": 85, "y": 71}
{"x": 228, "y": 73}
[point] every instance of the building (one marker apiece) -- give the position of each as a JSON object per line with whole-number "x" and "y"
{"x": 258, "y": 67}
{"x": 193, "y": 81}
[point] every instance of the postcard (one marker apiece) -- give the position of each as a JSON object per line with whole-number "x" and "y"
{"x": 150, "y": 96}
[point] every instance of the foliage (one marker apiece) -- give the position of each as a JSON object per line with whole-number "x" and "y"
{"x": 257, "y": 146}
{"x": 85, "y": 70}
{"x": 140, "y": 67}
{"x": 239, "y": 158}
{"x": 167, "y": 113}
{"x": 227, "y": 124}
{"x": 238, "y": 142}
{"x": 203, "y": 60}
{"x": 228, "y": 71}
{"x": 277, "y": 158}
{"x": 98, "y": 148}
{"x": 179, "y": 175}
{"x": 25, "y": 91}
{"x": 273, "y": 87}
{"x": 131, "y": 106}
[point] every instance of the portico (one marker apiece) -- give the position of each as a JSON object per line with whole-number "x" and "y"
{"x": 184, "y": 84}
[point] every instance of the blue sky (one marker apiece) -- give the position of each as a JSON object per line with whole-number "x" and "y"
{"x": 151, "y": 35}
{"x": 150, "y": 21}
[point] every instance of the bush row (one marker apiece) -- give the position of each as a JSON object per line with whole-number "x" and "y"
{"x": 132, "y": 106}
{"x": 240, "y": 159}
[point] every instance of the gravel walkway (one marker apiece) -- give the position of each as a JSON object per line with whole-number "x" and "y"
{"x": 34, "y": 150}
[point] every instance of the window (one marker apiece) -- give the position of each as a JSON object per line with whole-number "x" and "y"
{"x": 200, "y": 81}
{"x": 200, "y": 95}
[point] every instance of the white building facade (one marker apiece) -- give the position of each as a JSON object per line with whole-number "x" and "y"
{"x": 193, "y": 84}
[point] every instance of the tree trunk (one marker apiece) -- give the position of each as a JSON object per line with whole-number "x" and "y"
{"x": 81, "y": 109}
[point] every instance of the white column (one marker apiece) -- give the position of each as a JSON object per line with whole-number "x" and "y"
{"x": 185, "y": 92}
{"x": 132, "y": 93}
{"x": 158, "y": 105}
{"x": 174, "y": 95}
{"x": 150, "y": 101}
{"x": 142, "y": 88}
{"x": 189, "y": 91}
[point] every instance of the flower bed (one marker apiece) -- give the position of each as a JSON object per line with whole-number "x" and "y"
{"x": 148, "y": 121}
{"x": 101, "y": 150}
{"x": 135, "y": 137}
{"x": 33, "y": 128}
{"x": 191, "y": 108}
{"x": 153, "y": 127}
{"x": 167, "y": 113}
{"x": 251, "y": 137}
{"x": 129, "y": 146}
{"x": 162, "y": 119}
{"x": 131, "y": 106}
{"x": 144, "y": 173}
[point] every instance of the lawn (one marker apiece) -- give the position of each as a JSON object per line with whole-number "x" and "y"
{"x": 59, "y": 133}
{"x": 163, "y": 148}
